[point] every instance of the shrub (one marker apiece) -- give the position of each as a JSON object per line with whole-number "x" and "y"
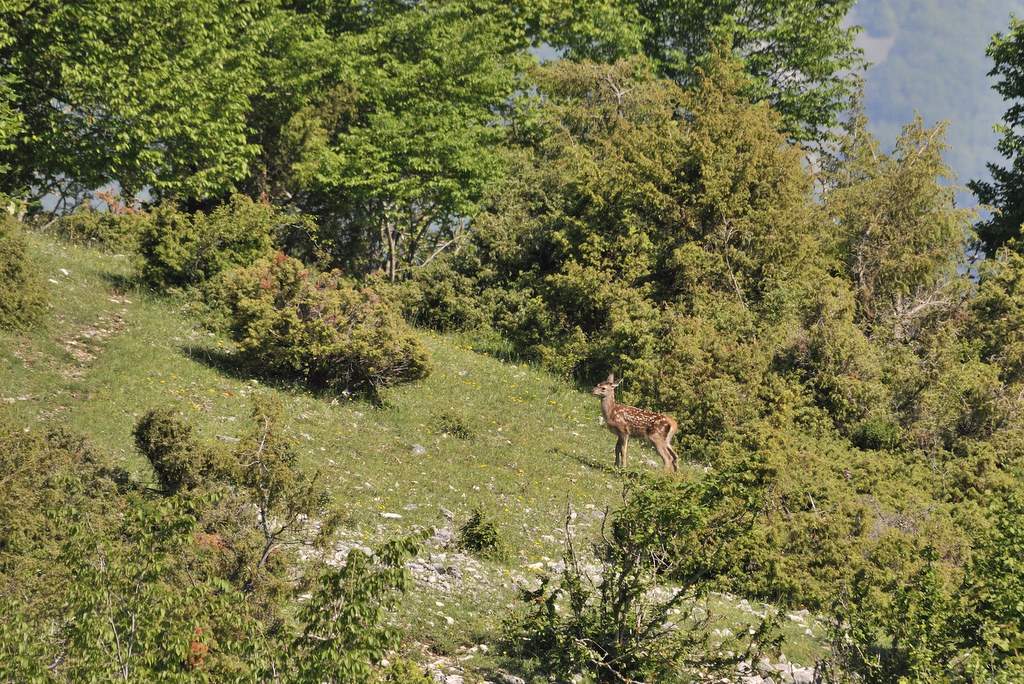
{"x": 105, "y": 229}
{"x": 167, "y": 442}
{"x": 876, "y": 433}
{"x": 441, "y": 298}
{"x": 479, "y": 535}
{"x": 291, "y": 321}
{"x": 179, "y": 249}
{"x": 92, "y": 560}
{"x": 454, "y": 425}
{"x": 998, "y": 312}
{"x": 617, "y": 621}
{"x": 22, "y": 290}
{"x": 970, "y": 629}
{"x": 345, "y": 633}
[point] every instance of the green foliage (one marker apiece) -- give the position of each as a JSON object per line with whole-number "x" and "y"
{"x": 180, "y": 249}
{"x": 396, "y": 149}
{"x": 151, "y": 94}
{"x": 876, "y": 433}
{"x": 998, "y": 311}
{"x": 116, "y": 232}
{"x": 619, "y": 621}
{"x": 167, "y": 442}
{"x": 11, "y": 119}
{"x": 292, "y": 506}
{"x": 805, "y": 74}
{"x": 898, "y": 228}
{"x": 480, "y": 535}
{"x": 642, "y": 211}
{"x": 440, "y": 297}
{"x": 23, "y": 297}
{"x": 1004, "y": 191}
{"x": 454, "y": 425}
{"x": 102, "y": 578}
{"x": 969, "y": 631}
{"x": 292, "y": 321}
{"x": 403, "y": 671}
{"x": 345, "y": 633}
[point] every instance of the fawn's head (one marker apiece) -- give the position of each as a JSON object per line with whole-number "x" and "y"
{"x": 606, "y": 388}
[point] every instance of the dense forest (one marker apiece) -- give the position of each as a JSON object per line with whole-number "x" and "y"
{"x": 311, "y": 263}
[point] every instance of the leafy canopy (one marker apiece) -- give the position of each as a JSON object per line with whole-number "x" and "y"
{"x": 1005, "y": 192}
{"x": 151, "y": 95}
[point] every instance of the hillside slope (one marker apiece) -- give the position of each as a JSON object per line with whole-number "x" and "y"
{"x": 478, "y": 433}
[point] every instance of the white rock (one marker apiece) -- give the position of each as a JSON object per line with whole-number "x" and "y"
{"x": 65, "y": 272}
{"x": 419, "y": 450}
{"x": 803, "y": 675}
{"x": 392, "y": 516}
{"x": 453, "y": 679}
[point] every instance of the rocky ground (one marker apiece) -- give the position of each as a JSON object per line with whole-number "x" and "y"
{"x": 443, "y": 571}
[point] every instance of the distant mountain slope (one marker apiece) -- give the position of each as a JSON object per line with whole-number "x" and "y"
{"x": 930, "y": 57}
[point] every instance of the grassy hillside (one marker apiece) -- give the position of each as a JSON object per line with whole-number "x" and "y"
{"x": 478, "y": 433}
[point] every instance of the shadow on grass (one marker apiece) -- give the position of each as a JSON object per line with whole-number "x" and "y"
{"x": 589, "y": 462}
{"x": 121, "y": 283}
{"x": 489, "y": 342}
{"x": 233, "y": 366}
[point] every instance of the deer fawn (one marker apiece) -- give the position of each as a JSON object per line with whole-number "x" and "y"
{"x": 626, "y": 421}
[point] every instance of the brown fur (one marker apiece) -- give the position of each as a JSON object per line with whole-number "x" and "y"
{"x": 629, "y": 421}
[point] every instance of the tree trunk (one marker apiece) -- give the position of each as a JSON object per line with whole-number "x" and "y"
{"x": 392, "y": 257}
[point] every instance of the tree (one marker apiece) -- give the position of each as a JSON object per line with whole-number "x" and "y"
{"x": 10, "y": 117}
{"x": 151, "y": 95}
{"x": 899, "y": 233}
{"x": 396, "y": 153}
{"x": 1005, "y": 192}
{"x": 998, "y": 312}
{"x": 798, "y": 52}
{"x": 635, "y": 195}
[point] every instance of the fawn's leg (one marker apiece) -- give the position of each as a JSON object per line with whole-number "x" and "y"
{"x": 668, "y": 443}
{"x": 674, "y": 455}
{"x": 620, "y": 452}
{"x": 666, "y": 453}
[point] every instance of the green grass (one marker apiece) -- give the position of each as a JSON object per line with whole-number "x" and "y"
{"x": 479, "y": 432}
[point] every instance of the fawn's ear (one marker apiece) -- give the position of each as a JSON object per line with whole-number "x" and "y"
{"x": 611, "y": 378}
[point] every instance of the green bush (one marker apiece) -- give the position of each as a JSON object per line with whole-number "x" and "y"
{"x": 202, "y": 584}
{"x": 105, "y": 229}
{"x": 291, "y": 321}
{"x": 619, "y": 618}
{"x": 346, "y": 633}
{"x": 180, "y": 249}
{"x": 23, "y": 297}
{"x": 970, "y": 630}
{"x": 876, "y": 433}
{"x": 454, "y": 425}
{"x": 998, "y": 311}
{"x": 442, "y": 298}
{"x": 480, "y": 536}
{"x": 167, "y": 442}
